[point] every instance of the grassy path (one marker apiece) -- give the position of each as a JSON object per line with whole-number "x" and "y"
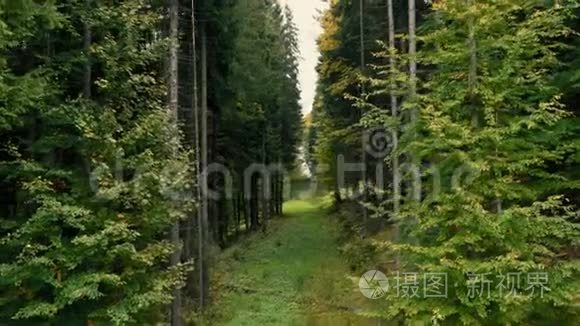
{"x": 293, "y": 275}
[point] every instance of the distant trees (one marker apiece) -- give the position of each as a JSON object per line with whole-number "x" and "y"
{"x": 259, "y": 120}
{"x": 336, "y": 120}
{"x": 333, "y": 119}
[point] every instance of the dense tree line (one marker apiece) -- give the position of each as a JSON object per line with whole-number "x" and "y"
{"x": 482, "y": 124}
{"x": 109, "y": 111}
{"x": 345, "y": 56}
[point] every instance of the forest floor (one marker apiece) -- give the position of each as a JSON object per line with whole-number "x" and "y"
{"x": 291, "y": 275}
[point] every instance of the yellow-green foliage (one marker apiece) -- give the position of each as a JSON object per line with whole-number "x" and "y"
{"x": 499, "y": 220}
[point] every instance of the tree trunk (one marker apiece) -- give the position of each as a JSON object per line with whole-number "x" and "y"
{"x": 174, "y": 108}
{"x": 413, "y": 91}
{"x": 281, "y": 196}
{"x": 362, "y": 68}
{"x": 87, "y": 40}
{"x": 238, "y": 210}
{"x": 265, "y": 204}
{"x": 278, "y": 194}
{"x": 412, "y": 57}
{"x": 247, "y": 211}
{"x": 254, "y": 203}
{"x": 472, "y": 78}
{"x": 394, "y": 110}
{"x": 394, "y": 130}
{"x": 273, "y": 197}
{"x": 201, "y": 266}
{"x": 223, "y": 221}
{"x": 203, "y": 175}
{"x": 215, "y": 215}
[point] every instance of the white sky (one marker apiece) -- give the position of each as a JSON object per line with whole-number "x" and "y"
{"x": 305, "y": 17}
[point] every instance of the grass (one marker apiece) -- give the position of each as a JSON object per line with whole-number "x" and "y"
{"x": 260, "y": 280}
{"x": 292, "y": 275}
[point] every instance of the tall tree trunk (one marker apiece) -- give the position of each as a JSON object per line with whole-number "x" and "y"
{"x": 277, "y": 199}
{"x": 394, "y": 130}
{"x": 265, "y": 204}
{"x": 472, "y": 77}
{"x": 202, "y": 266}
{"x": 274, "y": 195}
{"x": 87, "y": 40}
{"x": 412, "y": 57}
{"x": 223, "y": 221}
{"x": 277, "y": 194}
{"x": 362, "y": 68}
{"x": 394, "y": 110}
{"x": 247, "y": 210}
{"x": 214, "y": 215}
{"x": 204, "y": 164}
{"x": 281, "y": 196}
{"x": 174, "y": 108}
{"x": 413, "y": 92}
{"x": 243, "y": 198}
{"x": 238, "y": 209}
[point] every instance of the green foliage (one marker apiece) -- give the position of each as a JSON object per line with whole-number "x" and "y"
{"x": 261, "y": 115}
{"x": 496, "y": 143}
{"x": 502, "y": 218}
{"x": 90, "y": 186}
{"x": 337, "y": 112}
{"x": 332, "y": 115}
{"x": 92, "y": 168}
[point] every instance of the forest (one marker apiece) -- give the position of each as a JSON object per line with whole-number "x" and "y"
{"x": 158, "y": 165}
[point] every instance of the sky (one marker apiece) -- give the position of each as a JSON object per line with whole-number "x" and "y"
{"x": 305, "y": 17}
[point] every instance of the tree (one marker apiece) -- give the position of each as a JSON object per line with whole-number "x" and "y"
{"x": 173, "y": 106}
{"x": 94, "y": 181}
{"x": 460, "y": 231}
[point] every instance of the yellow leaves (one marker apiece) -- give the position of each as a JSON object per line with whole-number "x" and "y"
{"x": 331, "y": 25}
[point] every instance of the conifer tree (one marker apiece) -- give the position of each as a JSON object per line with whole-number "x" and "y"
{"x": 95, "y": 179}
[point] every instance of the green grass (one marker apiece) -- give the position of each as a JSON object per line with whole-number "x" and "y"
{"x": 293, "y": 275}
{"x": 260, "y": 281}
